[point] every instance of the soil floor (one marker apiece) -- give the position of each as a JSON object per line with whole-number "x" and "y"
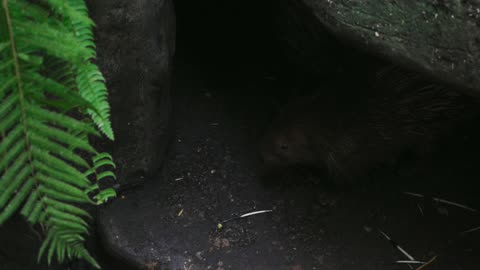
{"x": 213, "y": 174}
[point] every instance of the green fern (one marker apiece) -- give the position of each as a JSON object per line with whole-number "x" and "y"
{"x": 47, "y": 78}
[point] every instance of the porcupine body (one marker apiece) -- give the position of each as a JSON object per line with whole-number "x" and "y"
{"x": 349, "y": 133}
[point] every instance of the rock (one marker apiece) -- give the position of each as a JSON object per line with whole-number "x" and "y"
{"x": 135, "y": 44}
{"x": 440, "y": 38}
{"x": 145, "y": 232}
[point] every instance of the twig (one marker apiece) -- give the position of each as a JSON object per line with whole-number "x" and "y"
{"x": 420, "y": 209}
{"x": 220, "y": 225}
{"x": 427, "y": 263}
{"x": 410, "y": 257}
{"x": 411, "y": 262}
{"x": 255, "y": 213}
{"x": 442, "y": 201}
{"x": 248, "y": 214}
{"x": 472, "y": 230}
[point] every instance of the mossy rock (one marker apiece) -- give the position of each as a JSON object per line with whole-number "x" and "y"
{"x": 135, "y": 44}
{"x": 441, "y": 38}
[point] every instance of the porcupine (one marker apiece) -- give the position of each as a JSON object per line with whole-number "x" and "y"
{"x": 347, "y": 134}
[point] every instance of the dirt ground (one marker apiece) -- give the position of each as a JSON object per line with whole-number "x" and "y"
{"x": 212, "y": 174}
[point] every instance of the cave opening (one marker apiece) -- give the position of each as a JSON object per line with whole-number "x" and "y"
{"x": 241, "y": 63}
{"x": 267, "y": 53}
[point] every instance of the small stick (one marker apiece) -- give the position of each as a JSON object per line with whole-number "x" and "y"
{"x": 410, "y": 257}
{"x": 427, "y": 263}
{"x": 248, "y": 214}
{"x": 472, "y": 230}
{"x": 411, "y": 262}
{"x": 220, "y": 225}
{"x": 255, "y": 213}
{"x": 420, "y": 209}
{"x": 442, "y": 201}
{"x": 455, "y": 204}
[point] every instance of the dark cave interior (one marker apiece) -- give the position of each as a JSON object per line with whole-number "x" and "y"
{"x": 237, "y": 45}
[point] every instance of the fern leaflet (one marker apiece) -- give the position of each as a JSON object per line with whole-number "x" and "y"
{"x": 46, "y": 81}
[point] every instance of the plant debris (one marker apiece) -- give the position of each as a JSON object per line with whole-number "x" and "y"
{"x": 410, "y": 257}
{"x": 439, "y": 200}
{"x": 411, "y": 262}
{"x": 472, "y": 230}
{"x": 425, "y": 265}
{"x": 220, "y": 225}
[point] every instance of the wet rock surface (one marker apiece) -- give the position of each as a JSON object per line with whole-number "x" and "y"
{"x": 135, "y": 44}
{"x": 441, "y": 38}
{"x": 212, "y": 175}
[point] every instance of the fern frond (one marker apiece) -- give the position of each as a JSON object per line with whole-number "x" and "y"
{"x": 92, "y": 83}
{"x": 88, "y": 78}
{"x": 45, "y": 72}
